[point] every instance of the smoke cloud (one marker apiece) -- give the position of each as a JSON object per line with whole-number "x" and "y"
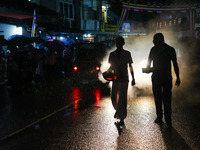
{"x": 139, "y": 46}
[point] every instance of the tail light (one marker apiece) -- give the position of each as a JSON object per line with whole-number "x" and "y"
{"x": 75, "y": 68}
{"x": 97, "y": 68}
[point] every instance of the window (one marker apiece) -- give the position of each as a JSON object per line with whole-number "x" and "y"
{"x": 67, "y": 9}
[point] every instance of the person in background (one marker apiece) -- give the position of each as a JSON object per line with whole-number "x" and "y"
{"x": 67, "y": 61}
{"x": 39, "y": 71}
{"x": 2, "y": 64}
{"x": 119, "y": 61}
{"x": 162, "y": 55}
{"x": 12, "y": 65}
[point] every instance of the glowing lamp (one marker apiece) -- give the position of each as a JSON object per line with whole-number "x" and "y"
{"x": 75, "y": 68}
{"x": 97, "y": 68}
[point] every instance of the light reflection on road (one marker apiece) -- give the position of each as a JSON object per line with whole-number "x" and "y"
{"x": 139, "y": 133}
{"x": 75, "y": 93}
{"x": 96, "y": 130}
{"x": 97, "y": 93}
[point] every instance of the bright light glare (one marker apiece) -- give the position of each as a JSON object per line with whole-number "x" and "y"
{"x": 97, "y": 68}
{"x": 18, "y": 30}
{"x": 105, "y": 65}
{"x": 61, "y": 38}
{"x": 142, "y": 79}
{"x": 104, "y": 7}
{"x": 142, "y": 64}
{"x": 75, "y": 68}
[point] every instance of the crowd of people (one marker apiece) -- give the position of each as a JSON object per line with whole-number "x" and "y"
{"x": 34, "y": 65}
{"x": 29, "y": 65}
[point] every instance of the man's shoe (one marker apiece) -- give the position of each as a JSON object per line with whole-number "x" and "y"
{"x": 158, "y": 121}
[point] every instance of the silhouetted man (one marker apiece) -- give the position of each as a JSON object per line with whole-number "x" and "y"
{"x": 119, "y": 60}
{"x": 162, "y": 55}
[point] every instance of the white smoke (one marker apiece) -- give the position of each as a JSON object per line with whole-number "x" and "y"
{"x": 140, "y": 46}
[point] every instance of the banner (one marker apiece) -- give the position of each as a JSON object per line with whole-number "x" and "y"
{"x": 34, "y": 25}
{"x": 157, "y": 8}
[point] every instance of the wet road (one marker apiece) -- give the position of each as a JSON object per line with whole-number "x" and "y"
{"x": 88, "y": 123}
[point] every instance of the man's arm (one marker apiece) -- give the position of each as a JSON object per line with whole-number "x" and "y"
{"x": 132, "y": 74}
{"x": 149, "y": 59}
{"x": 148, "y": 63}
{"x": 109, "y": 61}
{"x": 176, "y": 70}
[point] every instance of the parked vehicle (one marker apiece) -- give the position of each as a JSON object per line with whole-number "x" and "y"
{"x": 87, "y": 61}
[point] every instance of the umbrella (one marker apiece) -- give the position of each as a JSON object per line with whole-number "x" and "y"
{"x": 57, "y": 41}
{"x": 68, "y": 41}
{"x": 52, "y": 45}
{"x": 19, "y": 40}
{"x": 27, "y": 48}
{"x": 13, "y": 36}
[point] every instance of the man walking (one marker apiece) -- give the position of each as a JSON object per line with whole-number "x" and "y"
{"x": 162, "y": 55}
{"x": 119, "y": 61}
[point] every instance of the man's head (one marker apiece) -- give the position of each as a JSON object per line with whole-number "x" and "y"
{"x": 120, "y": 41}
{"x": 158, "y": 39}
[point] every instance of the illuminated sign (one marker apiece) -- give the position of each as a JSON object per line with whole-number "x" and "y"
{"x": 88, "y": 37}
{"x": 126, "y": 27}
{"x": 110, "y": 27}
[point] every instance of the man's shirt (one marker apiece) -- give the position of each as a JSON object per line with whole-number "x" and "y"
{"x": 162, "y": 60}
{"x": 119, "y": 60}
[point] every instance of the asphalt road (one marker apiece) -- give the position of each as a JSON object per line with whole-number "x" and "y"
{"x": 88, "y": 123}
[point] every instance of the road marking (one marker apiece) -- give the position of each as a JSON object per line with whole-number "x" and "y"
{"x": 36, "y": 122}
